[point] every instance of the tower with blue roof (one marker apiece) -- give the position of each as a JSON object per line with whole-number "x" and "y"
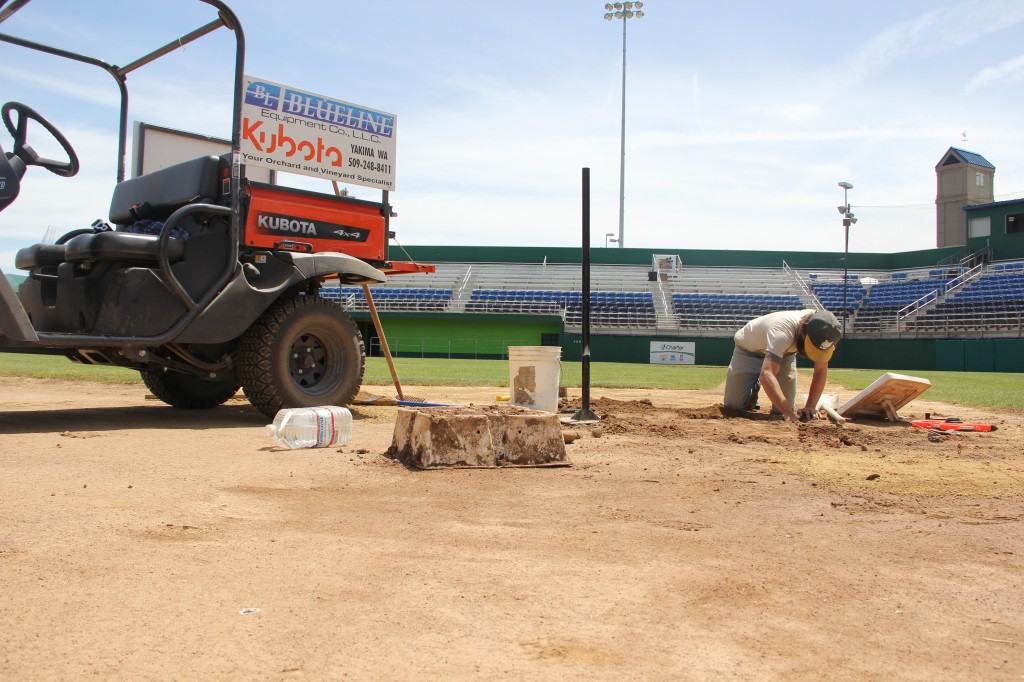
{"x": 964, "y": 179}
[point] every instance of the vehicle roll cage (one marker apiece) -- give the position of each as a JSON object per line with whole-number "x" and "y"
{"x": 225, "y": 17}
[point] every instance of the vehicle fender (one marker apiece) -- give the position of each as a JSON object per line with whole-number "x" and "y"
{"x": 349, "y": 269}
{"x": 239, "y": 303}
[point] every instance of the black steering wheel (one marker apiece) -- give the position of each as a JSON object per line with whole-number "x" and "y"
{"x": 19, "y": 131}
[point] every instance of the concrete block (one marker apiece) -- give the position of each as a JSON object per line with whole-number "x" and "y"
{"x": 492, "y": 436}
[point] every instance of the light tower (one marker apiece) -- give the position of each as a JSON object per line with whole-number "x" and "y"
{"x": 625, "y": 12}
{"x": 848, "y": 219}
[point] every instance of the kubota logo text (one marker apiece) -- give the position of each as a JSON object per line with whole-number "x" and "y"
{"x": 275, "y": 223}
{"x": 282, "y": 224}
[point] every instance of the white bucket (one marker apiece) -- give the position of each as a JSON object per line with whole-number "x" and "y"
{"x": 534, "y": 373}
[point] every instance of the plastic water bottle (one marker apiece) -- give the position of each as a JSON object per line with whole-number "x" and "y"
{"x": 311, "y": 427}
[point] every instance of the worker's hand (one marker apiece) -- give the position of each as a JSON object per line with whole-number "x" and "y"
{"x": 807, "y": 414}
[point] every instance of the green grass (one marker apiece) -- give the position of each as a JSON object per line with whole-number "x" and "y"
{"x": 59, "y": 367}
{"x": 982, "y": 389}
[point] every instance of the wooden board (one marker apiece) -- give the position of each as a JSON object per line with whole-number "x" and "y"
{"x": 889, "y": 390}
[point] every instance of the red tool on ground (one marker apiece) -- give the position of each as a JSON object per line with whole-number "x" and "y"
{"x": 952, "y": 424}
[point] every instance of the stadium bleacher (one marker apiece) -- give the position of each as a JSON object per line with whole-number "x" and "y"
{"x": 831, "y": 294}
{"x": 392, "y": 298}
{"x": 879, "y": 309}
{"x": 711, "y": 300}
{"x": 633, "y": 310}
{"x": 728, "y": 311}
{"x": 993, "y": 301}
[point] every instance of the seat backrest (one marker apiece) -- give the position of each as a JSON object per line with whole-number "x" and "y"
{"x": 167, "y": 190}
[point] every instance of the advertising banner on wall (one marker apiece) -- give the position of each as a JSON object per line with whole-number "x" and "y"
{"x": 295, "y": 131}
{"x": 673, "y": 352}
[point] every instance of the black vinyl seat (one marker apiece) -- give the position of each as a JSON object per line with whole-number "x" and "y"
{"x": 156, "y": 195}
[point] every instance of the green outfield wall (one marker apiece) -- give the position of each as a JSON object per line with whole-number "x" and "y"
{"x": 488, "y": 337}
{"x": 458, "y": 335}
{"x": 971, "y": 355}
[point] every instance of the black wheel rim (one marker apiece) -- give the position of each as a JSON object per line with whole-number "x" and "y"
{"x": 310, "y": 362}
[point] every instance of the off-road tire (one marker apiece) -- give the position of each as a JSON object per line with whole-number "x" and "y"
{"x": 302, "y": 352}
{"x": 188, "y": 392}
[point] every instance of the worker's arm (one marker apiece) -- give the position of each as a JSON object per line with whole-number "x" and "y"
{"x": 770, "y": 383}
{"x": 809, "y": 410}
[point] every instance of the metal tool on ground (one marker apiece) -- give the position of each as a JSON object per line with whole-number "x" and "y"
{"x": 952, "y": 424}
{"x": 828, "y": 404}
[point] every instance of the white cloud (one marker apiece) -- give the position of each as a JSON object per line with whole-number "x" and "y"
{"x": 697, "y": 109}
{"x": 796, "y": 113}
{"x": 935, "y": 31}
{"x": 1010, "y": 71}
{"x": 663, "y": 139}
{"x": 83, "y": 89}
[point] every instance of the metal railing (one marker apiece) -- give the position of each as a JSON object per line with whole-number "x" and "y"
{"x": 911, "y": 308}
{"x": 803, "y": 285}
{"x": 984, "y": 323}
{"x": 934, "y": 295}
{"x": 964, "y": 278}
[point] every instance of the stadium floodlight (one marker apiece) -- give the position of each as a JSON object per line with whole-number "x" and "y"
{"x": 623, "y": 11}
{"x": 848, "y": 219}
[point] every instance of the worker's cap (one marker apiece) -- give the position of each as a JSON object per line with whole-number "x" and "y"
{"x": 821, "y": 334}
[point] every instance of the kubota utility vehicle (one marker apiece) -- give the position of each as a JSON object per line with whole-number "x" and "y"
{"x": 212, "y": 301}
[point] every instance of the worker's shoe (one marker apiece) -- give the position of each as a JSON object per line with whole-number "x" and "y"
{"x": 752, "y": 405}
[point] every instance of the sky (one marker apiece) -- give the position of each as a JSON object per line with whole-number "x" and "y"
{"x": 741, "y": 117}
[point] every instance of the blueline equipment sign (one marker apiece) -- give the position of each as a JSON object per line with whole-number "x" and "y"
{"x": 301, "y": 132}
{"x": 672, "y": 352}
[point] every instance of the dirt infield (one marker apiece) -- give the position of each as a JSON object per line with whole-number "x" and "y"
{"x": 142, "y": 542}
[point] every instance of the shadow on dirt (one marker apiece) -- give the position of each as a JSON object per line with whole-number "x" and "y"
{"x": 155, "y": 416}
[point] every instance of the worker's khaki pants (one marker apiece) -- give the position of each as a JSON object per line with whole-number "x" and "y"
{"x": 743, "y": 381}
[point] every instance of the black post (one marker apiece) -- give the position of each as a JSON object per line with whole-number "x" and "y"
{"x": 586, "y": 288}
{"x": 585, "y": 415}
{"x": 846, "y": 270}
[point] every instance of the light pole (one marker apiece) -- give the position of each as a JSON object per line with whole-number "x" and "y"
{"x": 624, "y": 11}
{"x": 848, "y": 219}
{"x": 606, "y": 236}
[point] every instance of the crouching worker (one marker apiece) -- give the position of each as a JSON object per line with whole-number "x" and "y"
{"x": 765, "y": 357}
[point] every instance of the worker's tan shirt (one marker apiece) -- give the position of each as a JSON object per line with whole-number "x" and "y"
{"x": 774, "y": 333}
